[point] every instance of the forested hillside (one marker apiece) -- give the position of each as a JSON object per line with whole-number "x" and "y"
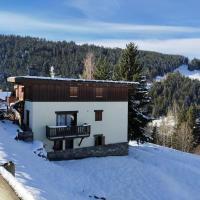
{"x": 194, "y": 64}
{"x": 175, "y": 89}
{"x": 177, "y": 96}
{"x": 17, "y": 53}
{"x": 157, "y": 64}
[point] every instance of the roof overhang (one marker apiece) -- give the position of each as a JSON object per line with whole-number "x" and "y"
{"x": 25, "y": 79}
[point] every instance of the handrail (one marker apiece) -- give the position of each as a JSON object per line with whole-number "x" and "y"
{"x": 54, "y": 132}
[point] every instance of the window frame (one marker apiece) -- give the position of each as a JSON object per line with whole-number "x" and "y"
{"x": 65, "y": 113}
{"x": 98, "y": 115}
{"x": 99, "y": 92}
{"x": 73, "y": 91}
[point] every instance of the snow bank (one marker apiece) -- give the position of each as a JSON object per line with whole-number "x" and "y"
{"x": 18, "y": 187}
{"x": 3, "y": 95}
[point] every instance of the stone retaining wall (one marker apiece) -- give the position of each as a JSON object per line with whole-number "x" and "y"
{"x": 118, "y": 149}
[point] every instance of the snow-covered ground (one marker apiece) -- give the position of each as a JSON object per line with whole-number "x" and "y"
{"x": 165, "y": 124}
{"x": 183, "y": 69}
{"x": 149, "y": 172}
{"x": 3, "y": 95}
{"x": 159, "y": 78}
{"x": 169, "y": 121}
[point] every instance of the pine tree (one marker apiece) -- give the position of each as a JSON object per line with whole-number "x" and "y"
{"x": 101, "y": 70}
{"x": 196, "y": 130}
{"x": 129, "y": 69}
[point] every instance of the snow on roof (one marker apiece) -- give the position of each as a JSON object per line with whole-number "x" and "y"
{"x": 20, "y": 78}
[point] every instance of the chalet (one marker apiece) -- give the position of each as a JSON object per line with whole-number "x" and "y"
{"x": 74, "y": 118}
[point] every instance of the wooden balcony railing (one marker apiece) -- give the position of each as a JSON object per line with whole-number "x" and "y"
{"x": 56, "y": 132}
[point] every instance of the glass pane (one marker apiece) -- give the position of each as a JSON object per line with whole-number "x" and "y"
{"x": 70, "y": 120}
{"x": 61, "y": 120}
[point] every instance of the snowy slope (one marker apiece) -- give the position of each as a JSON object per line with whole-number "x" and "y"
{"x": 149, "y": 172}
{"x": 183, "y": 69}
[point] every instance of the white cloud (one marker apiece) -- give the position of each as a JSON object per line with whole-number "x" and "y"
{"x": 95, "y": 8}
{"x": 16, "y": 22}
{"x": 26, "y": 25}
{"x": 187, "y": 47}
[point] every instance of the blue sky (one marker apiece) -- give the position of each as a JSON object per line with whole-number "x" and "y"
{"x": 169, "y": 26}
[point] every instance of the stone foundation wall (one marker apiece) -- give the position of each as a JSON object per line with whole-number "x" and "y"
{"x": 118, "y": 149}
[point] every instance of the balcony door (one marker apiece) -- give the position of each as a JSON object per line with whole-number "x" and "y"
{"x": 66, "y": 118}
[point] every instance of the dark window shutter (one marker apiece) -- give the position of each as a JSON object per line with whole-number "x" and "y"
{"x": 98, "y": 115}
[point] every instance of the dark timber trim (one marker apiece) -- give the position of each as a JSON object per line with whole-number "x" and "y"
{"x": 66, "y": 112}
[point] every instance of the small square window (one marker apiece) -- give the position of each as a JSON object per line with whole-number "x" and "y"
{"x": 98, "y": 115}
{"x": 99, "y": 92}
{"x": 73, "y": 92}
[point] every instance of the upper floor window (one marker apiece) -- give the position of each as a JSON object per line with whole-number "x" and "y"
{"x": 73, "y": 92}
{"x": 99, "y": 92}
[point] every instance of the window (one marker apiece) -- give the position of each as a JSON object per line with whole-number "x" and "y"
{"x": 73, "y": 92}
{"x": 98, "y": 115}
{"x": 99, "y": 140}
{"x": 99, "y": 92}
{"x": 66, "y": 118}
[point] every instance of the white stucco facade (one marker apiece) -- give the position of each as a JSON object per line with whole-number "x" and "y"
{"x": 113, "y": 126}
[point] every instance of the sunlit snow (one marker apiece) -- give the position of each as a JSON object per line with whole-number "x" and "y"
{"x": 149, "y": 172}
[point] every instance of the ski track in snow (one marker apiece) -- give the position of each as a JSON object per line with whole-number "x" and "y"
{"x": 149, "y": 172}
{"x": 183, "y": 69}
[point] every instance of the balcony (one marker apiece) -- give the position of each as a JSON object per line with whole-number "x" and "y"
{"x": 64, "y": 132}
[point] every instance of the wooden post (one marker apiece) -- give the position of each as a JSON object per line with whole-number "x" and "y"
{"x": 63, "y": 145}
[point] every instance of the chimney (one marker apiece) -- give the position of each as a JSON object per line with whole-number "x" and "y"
{"x": 52, "y": 73}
